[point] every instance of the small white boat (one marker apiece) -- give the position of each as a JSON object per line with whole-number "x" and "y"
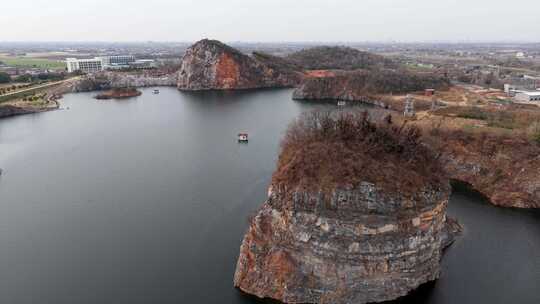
{"x": 242, "y": 137}
{"x": 341, "y": 103}
{"x": 156, "y": 91}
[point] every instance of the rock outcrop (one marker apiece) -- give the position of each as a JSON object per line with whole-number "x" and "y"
{"x": 355, "y": 214}
{"x": 364, "y": 86}
{"x": 212, "y": 65}
{"x": 506, "y": 170}
{"x": 110, "y": 80}
{"x": 9, "y": 110}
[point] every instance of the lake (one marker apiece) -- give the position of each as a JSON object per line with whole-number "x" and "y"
{"x": 146, "y": 200}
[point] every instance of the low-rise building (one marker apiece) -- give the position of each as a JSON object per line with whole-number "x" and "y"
{"x": 528, "y": 97}
{"x": 119, "y": 59}
{"x": 85, "y": 65}
{"x": 116, "y": 62}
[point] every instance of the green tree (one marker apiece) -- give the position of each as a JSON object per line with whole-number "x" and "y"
{"x": 4, "y": 78}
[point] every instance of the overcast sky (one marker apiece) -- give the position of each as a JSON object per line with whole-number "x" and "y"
{"x": 270, "y": 20}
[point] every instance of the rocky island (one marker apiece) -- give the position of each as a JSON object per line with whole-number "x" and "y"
{"x": 356, "y": 213}
{"x": 212, "y": 65}
{"x": 119, "y": 93}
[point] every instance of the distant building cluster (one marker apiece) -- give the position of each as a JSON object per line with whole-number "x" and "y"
{"x": 98, "y": 64}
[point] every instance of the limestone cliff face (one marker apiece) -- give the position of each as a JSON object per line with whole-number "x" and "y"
{"x": 335, "y": 85}
{"x": 212, "y": 65}
{"x": 356, "y": 226}
{"x": 505, "y": 170}
{"x": 357, "y": 246}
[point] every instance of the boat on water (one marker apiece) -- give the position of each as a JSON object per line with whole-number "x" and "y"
{"x": 156, "y": 91}
{"x": 341, "y": 103}
{"x": 243, "y": 137}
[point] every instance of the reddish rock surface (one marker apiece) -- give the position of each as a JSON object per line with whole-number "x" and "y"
{"x": 326, "y": 236}
{"x": 212, "y": 65}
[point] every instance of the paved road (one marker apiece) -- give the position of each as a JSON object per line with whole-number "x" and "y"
{"x": 43, "y": 86}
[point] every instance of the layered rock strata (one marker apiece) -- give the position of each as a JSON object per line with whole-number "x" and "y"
{"x": 342, "y": 238}
{"x": 357, "y": 246}
{"x": 506, "y": 170}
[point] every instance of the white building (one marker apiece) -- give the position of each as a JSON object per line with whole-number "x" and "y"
{"x": 98, "y": 64}
{"x": 85, "y": 65}
{"x": 119, "y": 59}
{"x": 528, "y": 97}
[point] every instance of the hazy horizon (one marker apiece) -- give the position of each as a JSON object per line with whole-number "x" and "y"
{"x": 302, "y": 21}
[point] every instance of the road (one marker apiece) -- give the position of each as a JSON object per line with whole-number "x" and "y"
{"x": 36, "y": 87}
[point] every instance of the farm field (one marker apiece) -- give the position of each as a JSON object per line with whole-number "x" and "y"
{"x": 27, "y": 62}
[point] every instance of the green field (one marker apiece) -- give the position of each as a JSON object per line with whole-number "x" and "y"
{"x": 25, "y": 62}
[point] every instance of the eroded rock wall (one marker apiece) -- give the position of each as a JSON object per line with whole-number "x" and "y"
{"x": 505, "y": 171}
{"x": 356, "y": 246}
{"x": 212, "y": 65}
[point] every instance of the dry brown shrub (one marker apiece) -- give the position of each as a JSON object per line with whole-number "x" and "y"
{"x": 322, "y": 151}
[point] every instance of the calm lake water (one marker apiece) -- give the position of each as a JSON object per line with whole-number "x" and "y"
{"x": 146, "y": 201}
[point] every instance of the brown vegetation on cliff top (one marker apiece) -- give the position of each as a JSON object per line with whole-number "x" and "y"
{"x": 362, "y": 84}
{"x": 321, "y": 152}
{"x": 338, "y": 58}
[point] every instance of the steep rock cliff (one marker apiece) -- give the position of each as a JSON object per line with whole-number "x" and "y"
{"x": 356, "y": 215}
{"x": 506, "y": 170}
{"x": 212, "y": 65}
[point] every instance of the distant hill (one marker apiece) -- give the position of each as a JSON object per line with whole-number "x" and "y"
{"x": 362, "y": 85}
{"x": 213, "y": 65}
{"x": 339, "y": 58}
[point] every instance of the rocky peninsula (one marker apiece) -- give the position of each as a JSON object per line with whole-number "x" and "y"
{"x": 212, "y": 65}
{"x": 356, "y": 213}
{"x": 365, "y": 85}
{"x": 505, "y": 169}
{"x": 15, "y": 109}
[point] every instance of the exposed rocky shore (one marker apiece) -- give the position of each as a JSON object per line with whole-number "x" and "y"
{"x": 356, "y": 213}
{"x": 110, "y": 80}
{"x": 506, "y": 170}
{"x": 9, "y": 110}
{"x": 212, "y": 65}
